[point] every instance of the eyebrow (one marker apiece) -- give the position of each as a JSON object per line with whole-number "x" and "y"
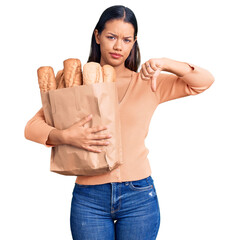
{"x": 116, "y": 35}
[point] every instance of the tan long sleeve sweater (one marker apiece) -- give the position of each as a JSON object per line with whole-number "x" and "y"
{"x": 136, "y": 110}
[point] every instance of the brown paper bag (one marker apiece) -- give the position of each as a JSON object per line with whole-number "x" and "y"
{"x": 64, "y": 107}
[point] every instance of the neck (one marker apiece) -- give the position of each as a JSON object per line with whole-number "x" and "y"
{"x": 121, "y": 71}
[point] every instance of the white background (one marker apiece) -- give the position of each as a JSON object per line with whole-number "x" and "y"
{"x": 192, "y": 141}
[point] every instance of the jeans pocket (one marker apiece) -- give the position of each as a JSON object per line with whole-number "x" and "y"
{"x": 142, "y": 184}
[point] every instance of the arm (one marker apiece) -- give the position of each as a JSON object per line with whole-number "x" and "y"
{"x": 186, "y": 79}
{"x": 77, "y": 135}
{"x": 39, "y": 131}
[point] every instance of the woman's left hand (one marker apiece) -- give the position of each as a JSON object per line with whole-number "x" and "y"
{"x": 151, "y": 69}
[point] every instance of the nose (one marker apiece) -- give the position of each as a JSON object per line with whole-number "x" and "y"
{"x": 117, "y": 45}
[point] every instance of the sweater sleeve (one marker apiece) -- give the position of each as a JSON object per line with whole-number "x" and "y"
{"x": 171, "y": 86}
{"x": 37, "y": 129}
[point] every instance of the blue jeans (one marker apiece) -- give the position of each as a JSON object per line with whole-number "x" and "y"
{"x": 115, "y": 211}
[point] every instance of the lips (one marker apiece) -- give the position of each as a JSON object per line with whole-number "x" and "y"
{"x": 115, "y": 55}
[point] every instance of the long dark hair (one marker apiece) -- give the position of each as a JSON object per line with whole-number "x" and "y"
{"x": 127, "y": 15}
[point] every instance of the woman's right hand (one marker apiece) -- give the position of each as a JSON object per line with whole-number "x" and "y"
{"x": 79, "y": 136}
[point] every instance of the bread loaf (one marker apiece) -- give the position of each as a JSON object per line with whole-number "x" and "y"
{"x": 71, "y": 75}
{"x": 109, "y": 73}
{"x": 46, "y": 78}
{"x": 72, "y": 72}
{"x": 60, "y": 83}
{"x": 94, "y": 73}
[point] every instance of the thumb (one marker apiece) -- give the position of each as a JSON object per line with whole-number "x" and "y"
{"x": 153, "y": 84}
{"x": 154, "y": 80}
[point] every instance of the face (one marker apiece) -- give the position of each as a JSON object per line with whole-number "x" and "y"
{"x": 117, "y": 37}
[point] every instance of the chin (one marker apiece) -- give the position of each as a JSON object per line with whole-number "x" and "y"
{"x": 114, "y": 63}
{"x": 117, "y": 61}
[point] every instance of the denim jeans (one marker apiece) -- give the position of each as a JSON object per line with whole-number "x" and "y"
{"x": 115, "y": 211}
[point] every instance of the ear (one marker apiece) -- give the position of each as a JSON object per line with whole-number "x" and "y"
{"x": 135, "y": 39}
{"x": 96, "y": 36}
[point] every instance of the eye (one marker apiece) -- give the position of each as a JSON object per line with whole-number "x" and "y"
{"x": 127, "y": 40}
{"x": 110, "y": 37}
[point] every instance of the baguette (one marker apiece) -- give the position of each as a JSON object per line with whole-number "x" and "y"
{"x": 46, "y": 78}
{"x": 94, "y": 73}
{"x": 71, "y": 75}
{"x": 109, "y": 73}
{"x": 60, "y": 83}
{"x": 72, "y": 72}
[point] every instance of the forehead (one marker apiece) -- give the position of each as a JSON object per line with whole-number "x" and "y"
{"x": 119, "y": 27}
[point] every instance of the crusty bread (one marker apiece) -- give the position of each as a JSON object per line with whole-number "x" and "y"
{"x": 109, "y": 73}
{"x": 71, "y": 75}
{"x": 46, "y": 78}
{"x": 72, "y": 72}
{"x": 60, "y": 83}
{"x": 92, "y": 73}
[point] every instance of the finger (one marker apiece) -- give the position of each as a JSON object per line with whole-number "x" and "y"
{"x": 153, "y": 84}
{"x": 99, "y": 143}
{"x": 155, "y": 67}
{"x": 146, "y": 71}
{"x": 142, "y": 75}
{"x": 92, "y": 149}
{"x": 154, "y": 80}
{"x": 100, "y": 136}
{"x": 149, "y": 71}
{"x": 97, "y": 129}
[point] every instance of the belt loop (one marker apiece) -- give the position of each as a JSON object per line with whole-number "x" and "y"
{"x": 147, "y": 179}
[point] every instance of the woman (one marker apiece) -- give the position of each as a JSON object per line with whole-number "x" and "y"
{"x": 127, "y": 194}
